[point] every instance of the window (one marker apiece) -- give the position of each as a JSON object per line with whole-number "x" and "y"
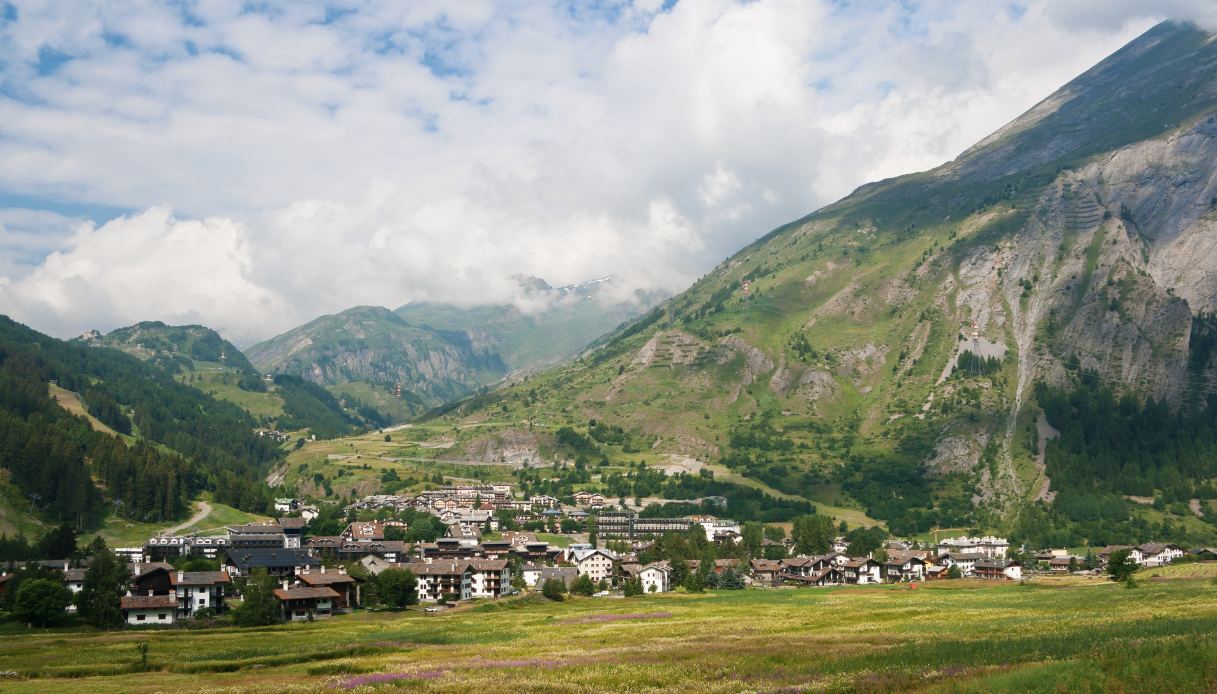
{"x": 140, "y": 617}
{"x": 161, "y": 616}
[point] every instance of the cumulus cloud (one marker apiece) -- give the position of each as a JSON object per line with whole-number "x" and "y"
{"x": 322, "y": 156}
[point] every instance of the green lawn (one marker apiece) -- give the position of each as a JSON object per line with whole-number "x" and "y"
{"x": 957, "y": 636}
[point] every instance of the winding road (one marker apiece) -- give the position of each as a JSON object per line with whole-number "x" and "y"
{"x": 203, "y": 512}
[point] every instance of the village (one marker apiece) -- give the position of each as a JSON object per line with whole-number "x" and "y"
{"x": 610, "y": 552}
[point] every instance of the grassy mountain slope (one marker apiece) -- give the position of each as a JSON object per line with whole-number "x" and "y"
{"x": 822, "y": 359}
{"x": 373, "y": 345}
{"x": 198, "y": 356}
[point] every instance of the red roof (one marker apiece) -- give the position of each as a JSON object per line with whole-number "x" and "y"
{"x": 304, "y": 593}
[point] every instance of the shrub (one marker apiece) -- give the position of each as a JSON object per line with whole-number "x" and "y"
{"x": 552, "y": 589}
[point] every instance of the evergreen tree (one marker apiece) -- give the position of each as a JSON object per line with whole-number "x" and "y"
{"x": 104, "y": 584}
{"x": 583, "y": 586}
{"x": 397, "y": 588}
{"x": 259, "y": 606}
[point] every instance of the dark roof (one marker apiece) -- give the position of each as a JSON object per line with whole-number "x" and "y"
{"x": 488, "y": 564}
{"x": 268, "y": 558}
{"x": 198, "y": 578}
{"x": 148, "y": 567}
{"x": 73, "y": 575}
{"x": 256, "y": 529}
{"x": 292, "y": 523}
{"x": 147, "y": 602}
{"x": 304, "y": 593}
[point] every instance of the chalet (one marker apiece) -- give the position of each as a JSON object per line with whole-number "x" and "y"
{"x": 531, "y": 573}
{"x": 542, "y": 501}
{"x": 277, "y": 562}
{"x": 566, "y": 574}
{"x": 594, "y": 563}
{"x": 151, "y": 579}
{"x": 1060, "y": 565}
{"x": 198, "y": 590}
{"x": 342, "y": 583}
{"x": 966, "y": 561}
{"x": 451, "y": 580}
{"x": 1158, "y": 553}
{"x": 655, "y": 577}
{"x": 375, "y": 564}
{"x": 766, "y": 571}
{"x": 495, "y": 549}
{"x": 392, "y": 551}
{"x": 1204, "y": 553}
{"x": 286, "y": 505}
{"x": 903, "y": 566}
{"x": 1134, "y": 553}
{"x": 148, "y": 610}
{"x": 370, "y": 531}
{"x": 862, "y": 571}
{"x": 305, "y": 603}
{"x": 808, "y": 571}
{"x": 489, "y": 577}
{"x": 1000, "y": 569}
{"x": 589, "y": 500}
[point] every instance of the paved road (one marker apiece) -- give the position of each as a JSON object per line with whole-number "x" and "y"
{"x": 203, "y": 512}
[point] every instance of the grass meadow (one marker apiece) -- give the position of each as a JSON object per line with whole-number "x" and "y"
{"x": 1068, "y": 635}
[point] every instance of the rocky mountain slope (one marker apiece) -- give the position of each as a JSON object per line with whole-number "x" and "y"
{"x": 887, "y": 345}
{"x": 373, "y": 345}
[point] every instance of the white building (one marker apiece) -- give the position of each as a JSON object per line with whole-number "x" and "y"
{"x": 145, "y": 610}
{"x": 594, "y": 563}
{"x": 489, "y": 577}
{"x": 655, "y": 578}
{"x": 990, "y": 546}
{"x": 452, "y": 580}
{"x": 1158, "y": 554}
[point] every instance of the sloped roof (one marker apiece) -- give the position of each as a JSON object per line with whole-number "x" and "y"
{"x": 305, "y": 593}
{"x": 147, "y": 602}
{"x": 198, "y": 578}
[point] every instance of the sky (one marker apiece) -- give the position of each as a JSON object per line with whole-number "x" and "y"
{"x": 252, "y": 165}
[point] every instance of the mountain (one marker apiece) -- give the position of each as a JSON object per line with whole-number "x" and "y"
{"x": 438, "y": 352}
{"x": 148, "y": 445}
{"x": 199, "y": 356}
{"x": 373, "y": 345}
{"x": 971, "y": 345}
{"x": 565, "y": 320}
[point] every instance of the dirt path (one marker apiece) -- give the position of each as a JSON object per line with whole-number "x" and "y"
{"x": 1045, "y": 432}
{"x": 203, "y": 512}
{"x": 71, "y": 402}
{"x": 1194, "y": 506}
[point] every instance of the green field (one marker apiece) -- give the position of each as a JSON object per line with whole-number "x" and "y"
{"x": 955, "y": 636}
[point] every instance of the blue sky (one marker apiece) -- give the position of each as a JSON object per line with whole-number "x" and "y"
{"x": 236, "y": 163}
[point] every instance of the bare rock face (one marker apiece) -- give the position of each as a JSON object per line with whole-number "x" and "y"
{"x": 957, "y": 453}
{"x": 815, "y": 385}
{"x": 670, "y": 348}
{"x": 756, "y": 363}
{"x": 511, "y": 446}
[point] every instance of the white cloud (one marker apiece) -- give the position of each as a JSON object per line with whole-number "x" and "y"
{"x": 432, "y": 150}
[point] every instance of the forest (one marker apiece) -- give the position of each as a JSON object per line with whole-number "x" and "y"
{"x": 188, "y": 442}
{"x": 1115, "y": 446}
